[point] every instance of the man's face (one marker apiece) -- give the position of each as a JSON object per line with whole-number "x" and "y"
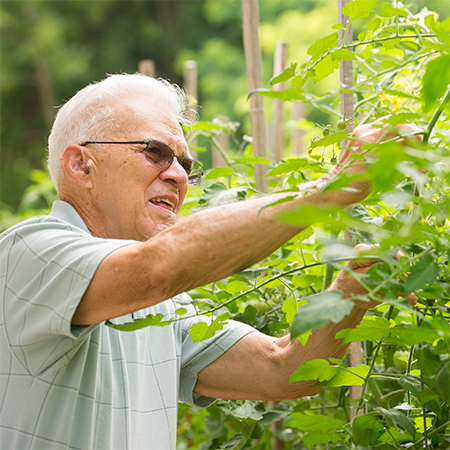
{"x": 133, "y": 198}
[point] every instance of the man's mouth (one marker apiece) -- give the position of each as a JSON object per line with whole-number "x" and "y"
{"x": 164, "y": 202}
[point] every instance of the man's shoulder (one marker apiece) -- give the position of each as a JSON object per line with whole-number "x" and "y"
{"x": 39, "y": 225}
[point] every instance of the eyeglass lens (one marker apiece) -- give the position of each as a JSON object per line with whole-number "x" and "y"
{"x": 161, "y": 156}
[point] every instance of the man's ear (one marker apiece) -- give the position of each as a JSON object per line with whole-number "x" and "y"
{"x": 77, "y": 165}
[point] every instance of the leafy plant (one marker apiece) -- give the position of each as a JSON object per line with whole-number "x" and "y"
{"x": 401, "y": 72}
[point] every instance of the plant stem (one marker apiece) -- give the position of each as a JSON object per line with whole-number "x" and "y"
{"x": 432, "y": 433}
{"x": 436, "y": 116}
{"x": 377, "y": 350}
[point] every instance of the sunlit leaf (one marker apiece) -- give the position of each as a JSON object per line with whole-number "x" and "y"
{"x": 308, "y": 422}
{"x": 321, "y": 309}
{"x": 289, "y": 94}
{"x": 315, "y": 369}
{"x": 387, "y": 10}
{"x": 219, "y": 172}
{"x": 322, "y": 45}
{"x": 319, "y": 437}
{"x": 331, "y": 139}
{"x": 359, "y": 9}
{"x": 233, "y": 287}
{"x": 150, "y": 320}
{"x": 372, "y": 328}
{"x": 287, "y": 74}
{"x": 202, "y": 330}
{"x": 352, "y": 376}
{"x": 288, "y": 166}
{"x": 435, "y": 80}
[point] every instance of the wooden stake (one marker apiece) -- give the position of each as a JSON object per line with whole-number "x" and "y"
{"x": 276, "y": 138}
{"x": 190, "y": 81}
{"x": 298, "y": 113}
{"x": 347, "y": 108}
{"x": 147, "y": 67}
{"x": 253, "y": 60}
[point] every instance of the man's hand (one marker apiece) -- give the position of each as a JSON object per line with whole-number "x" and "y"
{"x": 349, "y": 284}
{"x": 367, "y": 134}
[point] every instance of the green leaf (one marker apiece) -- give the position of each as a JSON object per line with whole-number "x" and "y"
{"x": 372, "y": 328}
{"x": 233, "y": 287}
{"x": 442, "y": 383}
{"x": 252, "y": 160}
{"x": 308, "y": 423}
{"x": 207, "y": 126}
{"x": 352, "y": 376}
{"x": 399, "y": 419}
{"x": 424, "y": 271}
{"x": 395, "y": 437}
{"x": 150, "y": 320}
{"x": 365, "y": 430}
{"x": 289, "y": 166}
{"x": 287, "y": 74}
{"x": 324, "y": 68}
{"x": 289, "y": 94}
{"x": 219, "y": 172}
{"x": 331, "y": 139}
{"x": 411, "y": 383}
{"x": 410, "y": 335}
{"x": 343, "y": 55}
{"x": 359, "y": 9}
{"x": 435, "y": 80}
{"x": 202, "y": 330}
{"x": 319, "y": 437}
{"x": 322, "y": 45}
{"x": 374, "y": 24}
{"x": 315, "y": 369}
{"x": 289, "y": 308}
{"x": 387, "y": 10}
{"x": 247, "y": 412}
{"x": 218, "y": 194}
{"x": 321, "y": 309}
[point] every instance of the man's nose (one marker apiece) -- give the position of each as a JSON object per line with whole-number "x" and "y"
{"x": 175, "y": 174}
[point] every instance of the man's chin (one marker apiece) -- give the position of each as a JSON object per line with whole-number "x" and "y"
{"x": 160, "y": 227}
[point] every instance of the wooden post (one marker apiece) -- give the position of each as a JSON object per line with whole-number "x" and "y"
{"x": 147, "y": 67}
{"x": 347, "y": 108}
{"x": 298, "y": 113}
{"x": 276, "y": 136}
{"x": 190, "y": 81}
{"x": 253, "y": 60}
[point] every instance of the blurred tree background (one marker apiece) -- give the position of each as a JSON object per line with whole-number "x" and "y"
{"x": 51, "y": 49}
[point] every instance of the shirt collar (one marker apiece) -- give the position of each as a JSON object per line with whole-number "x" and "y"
{"x": 62, "y": 210}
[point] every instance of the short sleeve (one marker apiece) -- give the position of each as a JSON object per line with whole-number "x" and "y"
{"x": 196, "y": 356}
{"x": 48, "y": 265}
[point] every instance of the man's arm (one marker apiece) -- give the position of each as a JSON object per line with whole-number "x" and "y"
{"x": 205, "y": 247}
{"x": 258, "y": 367}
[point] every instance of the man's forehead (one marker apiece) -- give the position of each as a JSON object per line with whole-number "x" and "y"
{"x": 145, "y": 112}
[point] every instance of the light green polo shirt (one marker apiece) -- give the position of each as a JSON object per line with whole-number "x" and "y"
{"x": 72, "y": 387}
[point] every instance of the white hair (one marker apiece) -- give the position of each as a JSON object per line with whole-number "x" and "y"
{"x": 90, "y": 114}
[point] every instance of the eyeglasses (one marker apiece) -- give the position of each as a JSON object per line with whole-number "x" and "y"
{"x": 161, "y": 156}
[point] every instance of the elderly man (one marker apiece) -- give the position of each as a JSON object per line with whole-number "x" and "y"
{"x": 111, "y": 248}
